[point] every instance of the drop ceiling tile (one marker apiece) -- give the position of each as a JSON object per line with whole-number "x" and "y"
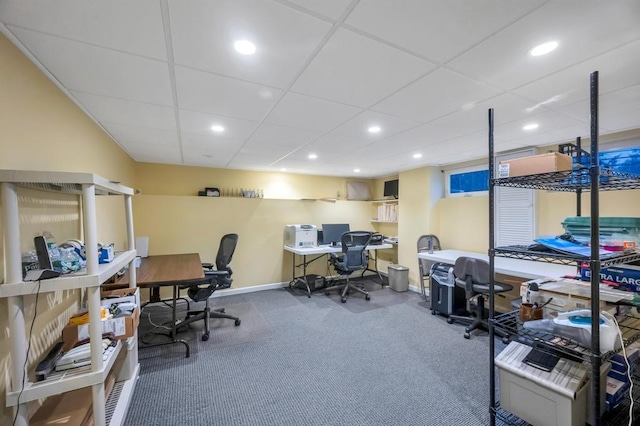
{"x": 273, "y": 135}
{"x": 356, "y": 70}
{"x": 435, "y": 95}
{"x": 254, "y": 159}
{"x": 213, "y": 94}
{"x": 438, "y": 30}
{"x": 284, "y": 38}
{"x": 271, "y": 151}
{"x": 547, "y": 122}
{"x": 583, "y": 32}
{"x": 617, "y": 69}
{"x": 336, "y": 145}
{"x": 90, "y": 69}
{"x": 306, "y": 112}
{"x": 200, "y": 123}
{"x": 216, "y": 160}
{"x": 143, "y": 153}
{"x": 557, "y": 136}
{"x": 389, "y": 125}
{"x": 211, "y": 144}
{"x": 141, "y": 135}
{"x": 330, "y": 8}
{"x": 121, "y": 111}
{"x": 133, "y": 27}
{"x": 617, "y": 111}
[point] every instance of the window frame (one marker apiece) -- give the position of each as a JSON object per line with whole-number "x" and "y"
{"x": 459, "y": 170}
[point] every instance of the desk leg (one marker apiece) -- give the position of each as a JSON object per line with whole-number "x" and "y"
{"x": 295, "y": 279}
{"x": 375, "y": 266}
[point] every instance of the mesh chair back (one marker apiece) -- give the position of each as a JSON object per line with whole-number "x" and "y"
{"x": 354, "y": 246}
{"x": 225, "y": 252}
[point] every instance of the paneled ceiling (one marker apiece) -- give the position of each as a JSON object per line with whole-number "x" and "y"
{"x": 157, "y": 75}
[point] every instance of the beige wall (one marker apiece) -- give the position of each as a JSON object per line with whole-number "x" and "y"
{"x": 41, "y": 129}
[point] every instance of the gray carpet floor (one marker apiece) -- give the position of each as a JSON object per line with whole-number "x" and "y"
{"x": 315, "y": 361}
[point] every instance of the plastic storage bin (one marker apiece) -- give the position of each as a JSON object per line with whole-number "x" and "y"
{"x": 398, "y": 277}
{"x": 626, "y": 228}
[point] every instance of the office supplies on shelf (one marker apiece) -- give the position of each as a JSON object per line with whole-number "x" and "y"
{"x": 564, "y": 246}
{"x": 300, "y": 235}
{"x": 48, "y": 364}
{"x": 80, "y": 356}
{"x": 542, "y": 360}
{"x": 331, "y": 232}
{"x": 576, "y": 325}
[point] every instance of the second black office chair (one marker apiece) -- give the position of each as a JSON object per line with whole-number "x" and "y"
{"x": 472, "y": 275}
{"x": 214, "y": 280}
{"x": 353, "y": 258}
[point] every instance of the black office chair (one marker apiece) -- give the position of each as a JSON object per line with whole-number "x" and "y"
{"x": 214, "y": 280}
{"x": 354, "y": 257}
{"x": 473, "y": 276}
{"x": 426, "y": 243}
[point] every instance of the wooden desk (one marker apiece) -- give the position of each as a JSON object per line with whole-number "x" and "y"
{"x": 167, "y": 270}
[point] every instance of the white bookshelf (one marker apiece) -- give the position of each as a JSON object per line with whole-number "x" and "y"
{"x": 88, "y": 186}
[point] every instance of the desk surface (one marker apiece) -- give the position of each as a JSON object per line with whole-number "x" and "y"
{"x": 302, "y": 251}
{"x": 156, "y": 271}
{"x": 516, "y": 267}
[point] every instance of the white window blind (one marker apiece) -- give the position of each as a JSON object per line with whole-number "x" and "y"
{"x": 514, "y": 209}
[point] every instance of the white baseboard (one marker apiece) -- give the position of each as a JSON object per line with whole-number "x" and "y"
{"x": 262, "y": 287}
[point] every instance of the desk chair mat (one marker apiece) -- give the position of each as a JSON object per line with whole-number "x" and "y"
{"x": 223, "y": 332}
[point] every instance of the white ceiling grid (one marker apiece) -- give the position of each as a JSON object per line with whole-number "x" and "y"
{"x": 158, "y": 74}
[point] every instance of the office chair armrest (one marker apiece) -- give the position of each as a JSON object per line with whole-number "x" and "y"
{"x": 219, "y": 279}
{"x": 207, "y": 266}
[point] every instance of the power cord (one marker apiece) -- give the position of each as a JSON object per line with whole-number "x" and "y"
{"x": 26, "y": 359}
{"x": 626, "y": 360}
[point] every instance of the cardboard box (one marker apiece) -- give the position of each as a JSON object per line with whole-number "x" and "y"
{"x": 535, "y": 164}
{"x": 122, "y": 327}
{"x": 123, "y": 295}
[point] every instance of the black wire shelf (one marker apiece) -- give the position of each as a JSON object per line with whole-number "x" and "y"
{"x": 510, "y": 324}
{"x": 572, "y": 180}
{"x": 520, "y": 252}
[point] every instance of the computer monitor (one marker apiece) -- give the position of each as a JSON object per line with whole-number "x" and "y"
{"x": 391, "y": 188}
{"x": 331, "y": 232}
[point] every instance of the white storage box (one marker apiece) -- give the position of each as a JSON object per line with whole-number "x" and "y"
{"x": 556, "y": 398}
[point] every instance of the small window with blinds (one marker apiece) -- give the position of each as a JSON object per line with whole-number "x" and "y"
{"x": 514, "y": 209}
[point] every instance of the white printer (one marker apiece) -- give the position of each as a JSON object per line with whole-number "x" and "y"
{"x": 300, "y": 236}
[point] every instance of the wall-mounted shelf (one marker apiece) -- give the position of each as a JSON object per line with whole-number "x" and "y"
{"x": 386, "y": 211}
{"x": 384, "y": 221}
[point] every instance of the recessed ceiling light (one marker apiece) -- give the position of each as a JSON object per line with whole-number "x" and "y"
{"x": 283, "y": 169}
{"x": 417, "y": 155}
{"x": 544, "y": 48}
{"x": 356, "y": 170}
{"x": 530, "y": 126}
{"x": 312, "y": 156}
{"x": 245, "y": 47}
{"x": 374, "y": 129}
{"x": 217, "y": 128}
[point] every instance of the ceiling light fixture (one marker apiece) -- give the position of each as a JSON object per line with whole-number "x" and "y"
{"x": 312, "y": 156}
{"x": 544, "y": 48}
{"x": 217, "y": 128}
{"x": 374, "y": 129}
{"x": 531, "y": 126}
{"x": 245, "y": 47}
{"x": 283, "y": 169}
{"x": 356, "y": 170}
{"x": 417, "y": 155}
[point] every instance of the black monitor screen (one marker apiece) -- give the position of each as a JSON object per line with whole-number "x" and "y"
{"x": 331, "y": 232}
{"x": 391, "y": 188}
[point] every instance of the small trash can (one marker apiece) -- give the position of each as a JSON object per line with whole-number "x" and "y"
{"x": 398, "y": 277}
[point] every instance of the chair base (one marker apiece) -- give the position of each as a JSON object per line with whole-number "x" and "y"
{"x": 205, "y": 315}
{"x": 345, "y": 287}
{"x": 479, "y": 321}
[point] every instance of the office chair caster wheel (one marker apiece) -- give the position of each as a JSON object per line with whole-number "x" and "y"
{"x": 433, "y": 312}
{"x": 237, "y": 322}
{"x": 343, "y": 300}
{"x": 449, "y": 320}
{"x": 367, "y": 297}
{"x": 467, "y": 335}
{"x": 506, "y": 340}
{"x": 205, "y": 337}
{"x": 326, "y": 293}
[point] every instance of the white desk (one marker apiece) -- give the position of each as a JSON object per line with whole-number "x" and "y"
{"x": 519, "y": 268}
{"x": 321, "y": 251}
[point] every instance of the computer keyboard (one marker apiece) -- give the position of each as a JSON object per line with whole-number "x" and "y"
{"x": 542, "y": 360}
